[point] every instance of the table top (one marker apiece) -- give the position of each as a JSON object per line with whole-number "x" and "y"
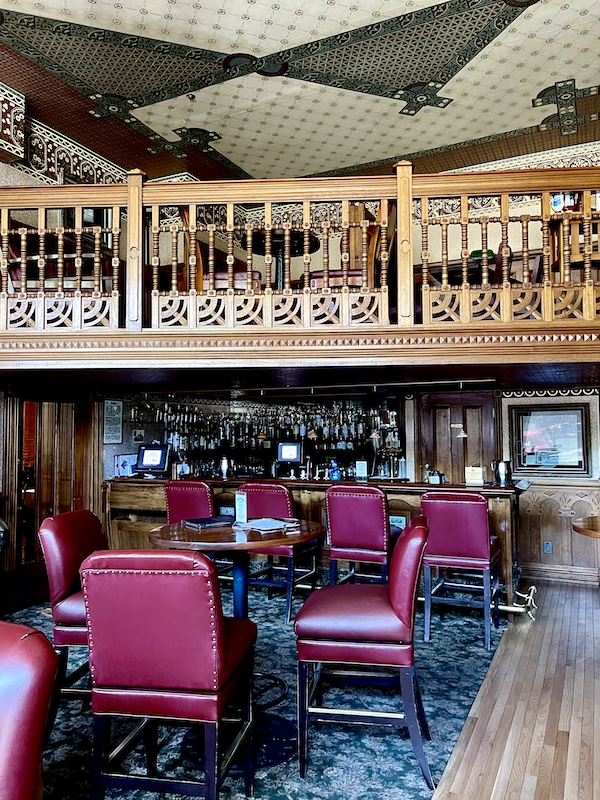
{"x": 226, "y": 537}
{"x": 589, "y": 526}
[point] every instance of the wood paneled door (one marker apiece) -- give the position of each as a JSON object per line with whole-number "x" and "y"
{"x": 442, "y": 417}
{"x": 53, "y": 463}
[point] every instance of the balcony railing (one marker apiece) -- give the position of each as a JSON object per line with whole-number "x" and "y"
{"x": 368, "y": 252}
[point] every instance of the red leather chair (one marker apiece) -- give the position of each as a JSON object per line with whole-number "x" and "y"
{"x": 67, "y": 539}
{"x": 358, "y": 530}
{"x": 28, "y": 669}
{"x": 459, "y": 540}
{"x": 364, "y": 629}
{"x": 187, "y": 500}
{"x": 162, "y": 652}
{"x": 275, "y": 500}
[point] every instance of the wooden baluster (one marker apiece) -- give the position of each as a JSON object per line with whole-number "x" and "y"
{"x": 485, "y": 266}
{"x": 526, "y": 275}
{"x": 5, "y": 250}
{"x": 325, "y": 253}
{"x": 42, "y": 245}
{"x": 268, "y": 256}
{"x": 155, "y": 247}
{"x": 364, "y": 256}
{"x": 115, "y": 261}
{"x": 174, "y": 229}
{"x": 464, "y": 238}
{"x": 566, "y": 249}
{"x": 249, "y": 257}
{"x": 97, "y": 258}
{"x": 425, "y": 241}
{"x": 230, "y": 246}
{"x": 60, "y": 260}
{"x": 23, "y": 256}
{"x": 504, "y": 249}
{"x": 211, "y": 256}
{"x": 445, "y": 223}
{"x": 287, "y": 252}
{"x": 383, "y": 249}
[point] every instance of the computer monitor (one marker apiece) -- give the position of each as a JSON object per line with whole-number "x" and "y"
{"x": 153, "y": 459}
{"x": 289, "y": 452}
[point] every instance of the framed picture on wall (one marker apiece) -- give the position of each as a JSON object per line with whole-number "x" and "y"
{"x": 551, "y": 438}
{"x": 113, "y": 421}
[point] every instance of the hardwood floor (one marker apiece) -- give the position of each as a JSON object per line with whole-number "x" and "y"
{"x": 533, "y": 732}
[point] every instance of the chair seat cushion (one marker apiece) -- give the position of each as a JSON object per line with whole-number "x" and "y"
{"x": 352, "y": 624}
{"x": 70, "y": 611}
{"x": 356, "y": 554}
{"x": 354, "y": 612}
{"x": 465, "y": 562}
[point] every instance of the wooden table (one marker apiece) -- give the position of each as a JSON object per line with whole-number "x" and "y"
{"x": 239, "y": 542}
{"x": 588, "y": 526}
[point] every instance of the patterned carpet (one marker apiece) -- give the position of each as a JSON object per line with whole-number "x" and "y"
{"x": 345, "y": 763}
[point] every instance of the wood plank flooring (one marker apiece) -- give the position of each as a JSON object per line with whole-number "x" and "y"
{"x": 533, "y": 732}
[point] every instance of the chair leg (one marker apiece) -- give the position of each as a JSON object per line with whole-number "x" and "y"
{"x": 420, "y": 710}
{"x": 289, "y": 589}
{"x": 211, "y": 760}
{"x": 427, "y": 592}
{"x": 495, "y": 594}
{"x": 303, "y": 684}
{"x": 487, "y": 608}
{"x": 407, "y": 687}
{"x": 248, "y": 716}
{"x": 150, "y": 737}
{"x": 333, "y": 568}
{"x": 100, "y": 751}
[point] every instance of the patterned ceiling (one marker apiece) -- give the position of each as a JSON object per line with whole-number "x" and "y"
{"x": 303, "y": 87}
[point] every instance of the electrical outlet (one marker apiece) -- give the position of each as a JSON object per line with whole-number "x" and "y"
{"x": 548, "y": 547}
{"x": 227, "y": 511}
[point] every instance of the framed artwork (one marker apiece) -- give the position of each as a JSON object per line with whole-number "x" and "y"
{"x": 113, "y": 421}
{"x": 551, "y": 438}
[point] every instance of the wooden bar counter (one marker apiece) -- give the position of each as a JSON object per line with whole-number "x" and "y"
{"x": 132, "y": 507}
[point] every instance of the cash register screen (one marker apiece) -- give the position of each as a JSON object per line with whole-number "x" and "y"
{"x": 153, "y": 458}
{"x": 289, "y": 452}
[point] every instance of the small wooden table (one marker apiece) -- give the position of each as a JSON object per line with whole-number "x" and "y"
{"x": 239, "y": 542}
{"x": 588, "y": 526}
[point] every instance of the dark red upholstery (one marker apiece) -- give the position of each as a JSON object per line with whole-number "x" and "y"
{"x": 275, "y": 500}
{"x": 160, "y": 648}
{"x": 459, "y": 539}
{"x": 28, "y": 669}
{"x": 188, "y": 500}
{"x": 358, "y": 528}
{"x": 364, "y": 625}
{"x": 67, "y": 539}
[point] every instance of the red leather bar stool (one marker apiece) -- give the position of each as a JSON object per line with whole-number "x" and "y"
{"x": 366, "y": 630}
{"x": 28, "y": 670}
{"x": 275, "y": 500}
{"x": 191, "y": 500}
{"x": 460, "y": 544}
{"x": 188, "y": 500}
{"x": 163, "y": 654}
{"x": 358, "y": 530}
{"x": 66, "y": 539}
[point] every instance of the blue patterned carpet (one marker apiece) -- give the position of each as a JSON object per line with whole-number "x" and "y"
{"x": 345, "y": 763}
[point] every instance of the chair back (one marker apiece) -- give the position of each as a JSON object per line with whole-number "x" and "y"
{"x": 268, "y": 500}
{"x": 458, "y": 524}
{"x": 188, "y": 500}
{"x": 154, "y": 620}
{"x": 67, "y": 539}
{"x": 28, "y": 668}
{"x": 357, "y": 517}
{"x": 405, "y": 568}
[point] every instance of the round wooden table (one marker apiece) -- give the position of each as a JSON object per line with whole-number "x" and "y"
{"x": 588, "y": 526}
{"x": 240, "y": 542}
